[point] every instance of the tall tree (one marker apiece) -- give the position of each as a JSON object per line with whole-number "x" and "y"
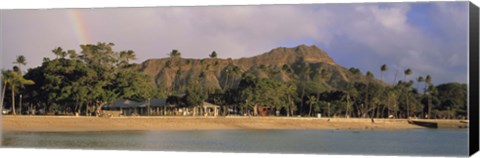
{"x": 20, "y": 61}
{"x": 177, "y": 85}
{"x": 16, "y": 80}
{"x": 126, "y": 57}
{"x": 430, "y": 89}
{"x": 6, "y": 77}
{"x": 130, "y": 56}
{"x": 175, "y": 54}
{"x": 213, "y": 55}
{"x": 228, "y": 71}
{"x": 58, "y": 52}
{"x": 305, "y": 72}
{"x": 428, "y": 81}
{"x": 349, "y": 94}
{"x": 312, "y": 100}
{"x": 236, "y": 72}
{"x": 290, "y": 90}
{"x": 383, "y": 68}
{"x": 420, "y": 80}
{"x": 392, "y": 94}
{"x": 101, "y": 60}
{"x": 175, "y": 58}
{"x": 318, "y": 85}
{"x": 407, "y": 72}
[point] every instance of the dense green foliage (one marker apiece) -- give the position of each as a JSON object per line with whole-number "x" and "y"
{"x": 83, "y": 83}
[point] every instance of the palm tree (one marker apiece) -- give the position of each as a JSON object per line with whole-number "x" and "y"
{"x": 407, "y": 72}
{"x": 177, "y": 85}
{"x": 130, "y": 56}
{"x": 312, "y": 100}
{"x": 320, "y": 80}
{"x": 349, "y": 93}
{"x": 57, "y": 51}
{"x": 306, "y": 70}
{"x": 175, "y": 53}
{"x": 369, "y": 98}
{"x": 430, "y": 90}
{"x": 392, "y": 95}
{"x": 6, "y": 78}
{"x": 174, "y": 56}
{"x": 237, "y": 72}
{"x": 21, "y": 60}
{"x": 290, "y": 90}
{"x": 229, "y": 71}
{"x": 213, "y": 55}
{"x": 15, "y": 80}
{"x": 383, "y": 68}
{"x": 73, "y": 54}
{"x": 428, "y": 81}
{"x": 419, "y": 80}
{"x": 126, "y": 56}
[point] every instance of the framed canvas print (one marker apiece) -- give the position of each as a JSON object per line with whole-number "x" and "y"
{"x": 378, "y": 78}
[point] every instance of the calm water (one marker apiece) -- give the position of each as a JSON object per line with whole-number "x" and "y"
{"x": 426, "y": 142}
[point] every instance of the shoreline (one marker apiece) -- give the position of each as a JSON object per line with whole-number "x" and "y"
{"x": 172, "y": 123}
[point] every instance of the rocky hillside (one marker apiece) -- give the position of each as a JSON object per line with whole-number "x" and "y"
{"x": 216, "y": 73}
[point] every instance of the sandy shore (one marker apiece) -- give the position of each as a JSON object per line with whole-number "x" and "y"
{"x": 69, "y": 123}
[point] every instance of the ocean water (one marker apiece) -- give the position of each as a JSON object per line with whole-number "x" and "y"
{"x": 418, "y": 142}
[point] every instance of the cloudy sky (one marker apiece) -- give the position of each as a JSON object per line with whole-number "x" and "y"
{"x": 428, "y": 37}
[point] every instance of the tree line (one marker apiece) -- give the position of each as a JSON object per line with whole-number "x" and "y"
{"x": 77, "y": 82}
{"x": 86, "y": 81}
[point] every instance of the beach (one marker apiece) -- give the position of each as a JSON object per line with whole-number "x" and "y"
{"x": 75, "y": 124}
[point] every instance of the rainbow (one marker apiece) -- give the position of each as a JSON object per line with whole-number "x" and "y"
{"x": 80, "y": 29}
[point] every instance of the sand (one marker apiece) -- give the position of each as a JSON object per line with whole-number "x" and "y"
{"x": 72, "y": 123}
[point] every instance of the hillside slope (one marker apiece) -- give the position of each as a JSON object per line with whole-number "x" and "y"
{"x": 215, "y": 73}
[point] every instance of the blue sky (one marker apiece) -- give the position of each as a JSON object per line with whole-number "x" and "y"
{"x": 428, "y": 37}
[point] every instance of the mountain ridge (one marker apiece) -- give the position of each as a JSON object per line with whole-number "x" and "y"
{"x": 171, "y": 72}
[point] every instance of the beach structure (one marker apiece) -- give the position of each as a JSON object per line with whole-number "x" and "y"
{"x": 207, "y": 109}
{"x": 159, "y": 107}
{"x": 147, "y": 107}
